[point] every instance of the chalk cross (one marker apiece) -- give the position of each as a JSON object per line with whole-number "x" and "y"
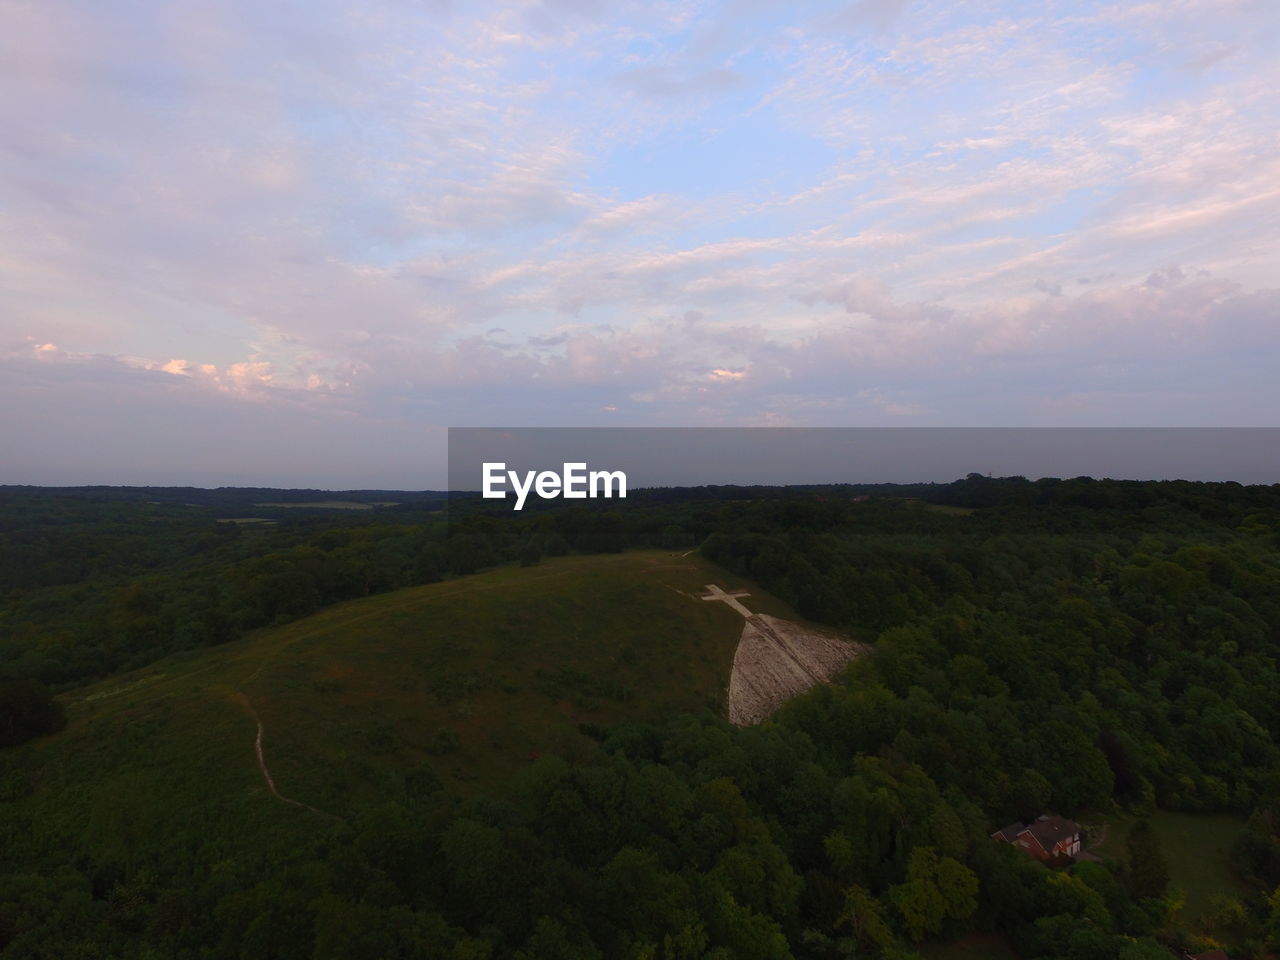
{"x": 715, "y": 593}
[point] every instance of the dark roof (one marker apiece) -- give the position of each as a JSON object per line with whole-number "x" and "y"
{"x": 1050, "y": 831}
{"x": 1010, "y": 832}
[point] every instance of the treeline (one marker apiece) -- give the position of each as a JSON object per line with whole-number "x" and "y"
{"x": 1227, "y": 502}
{"x": 93, "y": 586}
{"x": 218, "y": 497}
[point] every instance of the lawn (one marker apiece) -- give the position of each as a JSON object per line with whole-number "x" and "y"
{"x": 1197, "y": 847}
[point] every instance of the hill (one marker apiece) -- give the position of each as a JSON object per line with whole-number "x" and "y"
{"x": 466, "y": 680}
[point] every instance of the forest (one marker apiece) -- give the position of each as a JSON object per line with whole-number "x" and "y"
{"x": 1103, "y": 650}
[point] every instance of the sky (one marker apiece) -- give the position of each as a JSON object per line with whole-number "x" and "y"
{"x": 247, "y": 243}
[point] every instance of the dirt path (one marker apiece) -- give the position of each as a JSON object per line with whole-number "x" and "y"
{"x": 262, "y": 763}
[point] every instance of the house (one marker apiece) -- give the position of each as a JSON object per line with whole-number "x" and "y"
{"x": 1044, "y": 838}
{"x": 1010, "y": 833}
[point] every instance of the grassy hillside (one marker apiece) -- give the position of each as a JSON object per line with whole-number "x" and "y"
{"x": 468, "y": 680}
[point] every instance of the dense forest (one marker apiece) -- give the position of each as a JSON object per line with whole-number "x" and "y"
{"x": 1083, "y": 647}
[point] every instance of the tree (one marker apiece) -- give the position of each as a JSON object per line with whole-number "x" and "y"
{"x": 645, "y": 900}
{"x": 531, "y": 553}
{"x": 474, "y": 864}
{"x": 1273, "y": 919}
{"x": 864, "y": 913}
{"x": 959, "y": 888}
{"x": 674, "y": 537}
{"x": 1148, "y": 869}
{"x": 936, "y": 889}
{"x": 27, "y": 710}
{"x": 551, "y": 940}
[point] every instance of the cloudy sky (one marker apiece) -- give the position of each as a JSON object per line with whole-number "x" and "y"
{"x": 289, "y": 243}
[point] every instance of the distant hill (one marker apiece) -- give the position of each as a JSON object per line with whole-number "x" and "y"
{"x": 467, "y": 681}
{"x": 225, "y": 496}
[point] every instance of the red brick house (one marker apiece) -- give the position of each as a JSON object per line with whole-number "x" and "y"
{"x": 1044, "y": 838}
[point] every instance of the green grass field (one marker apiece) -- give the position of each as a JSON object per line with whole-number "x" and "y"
{"x": 475, "y": 677}
{"x": 1196, "y": 846}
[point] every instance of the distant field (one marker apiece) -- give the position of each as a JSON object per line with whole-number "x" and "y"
{"x": 475, "y": 677}
{"x": 332, "y": 505}
{"x": 247, "y": 520}
{"x": 1197, "y": 847}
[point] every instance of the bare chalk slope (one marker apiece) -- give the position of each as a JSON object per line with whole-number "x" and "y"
{"x": 775, "y": 661}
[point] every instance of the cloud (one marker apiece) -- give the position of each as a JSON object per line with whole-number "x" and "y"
{"x": 663, "y": 82}
{"x": 873, "y": 14}
{"x": 870, "y": 296}
{"x": 726, "y": 213}
{"x": 1214, "y": 55}
{"x": 891, "y": 361}
{"x": 894, "y": 408}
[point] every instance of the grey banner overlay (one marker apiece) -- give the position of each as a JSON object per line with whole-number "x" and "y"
{"x": 695, "y": 456}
